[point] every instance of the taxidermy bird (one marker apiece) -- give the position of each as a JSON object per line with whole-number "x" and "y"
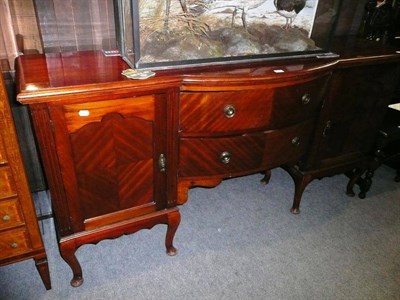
{"x": 243, "y": 5}
{"x": 289, "y": 9}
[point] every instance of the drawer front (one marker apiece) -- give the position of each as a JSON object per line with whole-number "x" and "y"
{"x": 224, "y": 156}
{"x": 10, "y": 214}
{"x": 13, "y": 242}
{"x": 297, "y": 103}
{"x": 207, "y": 156}
{"x": 225, "y": 112}
{"x": 3, "y": 157}
{"x": 7, "y": 185}
{"x": 287, "y": 145}
{"x": 219, "y": 112}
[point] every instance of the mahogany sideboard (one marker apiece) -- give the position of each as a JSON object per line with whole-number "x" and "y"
{"x": 120, "y": 155}
{"x": 20, "y": 237}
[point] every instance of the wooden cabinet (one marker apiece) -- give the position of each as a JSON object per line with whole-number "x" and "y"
{"x": 108, "y": 152}
{"x": 120, "y": 155}
{"x": 20, "y": 237}
{"x": 356, "y": 103}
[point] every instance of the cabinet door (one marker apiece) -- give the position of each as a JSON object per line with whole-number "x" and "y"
{"x": 109, "y": 154}
{"x": 355, "y": 108}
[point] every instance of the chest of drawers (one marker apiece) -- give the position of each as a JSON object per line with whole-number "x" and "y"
{"x": 227, "y": 131}
{"x": 20, "y": 237}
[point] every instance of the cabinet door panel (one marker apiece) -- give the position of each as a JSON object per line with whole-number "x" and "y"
{"x": 356, "y": 104}
{"x": 114, "y": 164}
{"x": 108, "y": 158}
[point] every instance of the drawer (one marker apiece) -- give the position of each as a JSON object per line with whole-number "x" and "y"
{"x": 219, "y": 112}
{"x": 297, "y": 103}
{"x": 7, "y": 185}
{"x": 10, "y": 214}
{"x": 3, "y": 157}
{"x": 227, "y": 112}
{"x": 287, "y": 145}
{"x": 14, "y": 242}
{"x": 208, "y": 156}
{"x": 229, "y": 155}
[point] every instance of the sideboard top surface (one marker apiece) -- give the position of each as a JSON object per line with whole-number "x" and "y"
{"x": 43, "y": 76}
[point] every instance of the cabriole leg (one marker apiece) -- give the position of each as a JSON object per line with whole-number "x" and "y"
{"x": 174, "y": 218}
{"x": 267, "y": 177}
{"x": 67, "y": 251}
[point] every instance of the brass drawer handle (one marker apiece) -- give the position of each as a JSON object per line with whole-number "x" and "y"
{"x": 229, "y": 111}
{"x": 296, "y": 141}
{"x": 14, "y": 245}
{"x": 6, "y": 218}
{"x": 306, "y": 99}
{"x": 225, "y": 157}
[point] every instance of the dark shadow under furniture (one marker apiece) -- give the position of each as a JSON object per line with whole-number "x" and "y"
{"x": 388, "y": 143}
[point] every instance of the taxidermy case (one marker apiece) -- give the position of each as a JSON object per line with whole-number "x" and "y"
{"x": 176, "y": 33}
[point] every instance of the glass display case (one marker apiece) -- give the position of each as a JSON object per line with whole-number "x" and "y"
{"x": 179, "y": 33}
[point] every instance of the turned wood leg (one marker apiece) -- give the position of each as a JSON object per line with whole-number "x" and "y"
{"x": 365, "y": 184}
{"x": 67, "y": 251}
{"x": 354, "y": 178}
{"x": 174, "y": 218}
{"x": 267, "y": 177}
{"x": 43, "y": 268}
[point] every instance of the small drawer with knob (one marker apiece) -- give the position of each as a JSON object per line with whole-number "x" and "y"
{"x": 7, "y": 184}
{"x": 13, "y": 242}
{"x": 3, "y": 156}
{"x": 10, "y": 214}
{"x": 220, "y": 156}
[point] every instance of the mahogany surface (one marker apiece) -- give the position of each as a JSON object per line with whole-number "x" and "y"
{"x": 120, "y": 154}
